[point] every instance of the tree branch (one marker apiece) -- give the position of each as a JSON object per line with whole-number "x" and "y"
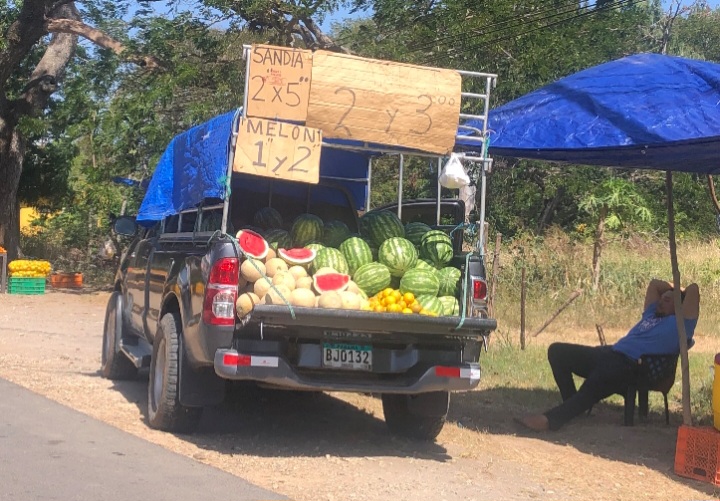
{"x": 78, "y": 28}
{"x": 322, "y": 40}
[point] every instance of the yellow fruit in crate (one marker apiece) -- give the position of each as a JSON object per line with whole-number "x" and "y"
{"x": 409, "y": 298}
{"x": 407, "y": 311}
{"x": 387, "y": 292}
{"x": 394, "y": 308}
{"x": 402, "y": 304}
{"x": 379, "y": 308}
{"x": 416, "y": 307}
{"x": 389, "y": 300}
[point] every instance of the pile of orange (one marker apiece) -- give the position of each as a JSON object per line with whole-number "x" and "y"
{"x": 393, "y": 301}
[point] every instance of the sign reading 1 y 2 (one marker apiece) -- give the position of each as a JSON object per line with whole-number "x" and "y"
{"x": 279, "y": 82}
{"x": 278, "y": 150}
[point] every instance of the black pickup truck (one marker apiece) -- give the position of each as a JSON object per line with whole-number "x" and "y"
{"x": 173, "y": 311}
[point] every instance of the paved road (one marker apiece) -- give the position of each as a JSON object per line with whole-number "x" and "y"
{"x": 49, "y": 452}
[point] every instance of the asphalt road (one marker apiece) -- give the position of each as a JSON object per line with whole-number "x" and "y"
{"x": 50, "y": 452}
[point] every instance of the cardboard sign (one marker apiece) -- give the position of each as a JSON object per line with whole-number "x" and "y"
{"x": 279, "y": 82}
{"x": 384, "y": 102}
{"x": 278, "y": 150}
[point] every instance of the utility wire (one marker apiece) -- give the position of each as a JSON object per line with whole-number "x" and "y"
{"x": 605, "y": 8}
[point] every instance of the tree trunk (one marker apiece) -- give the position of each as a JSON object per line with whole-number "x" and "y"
{"x": 12, "y": 152}
{"x": 549, "y": 211}
{"x": 597, "y": 247}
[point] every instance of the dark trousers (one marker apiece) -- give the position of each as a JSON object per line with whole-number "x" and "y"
{"x": 606, "y": 372}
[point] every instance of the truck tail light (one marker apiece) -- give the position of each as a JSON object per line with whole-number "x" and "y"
{"x": 221, "y": 292}
{"x": 479, "y": 289}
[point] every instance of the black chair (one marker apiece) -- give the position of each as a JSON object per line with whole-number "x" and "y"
{"x": 653, "y": 373}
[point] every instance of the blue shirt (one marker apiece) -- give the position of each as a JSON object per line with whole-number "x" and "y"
{"x": 653, "y": 335}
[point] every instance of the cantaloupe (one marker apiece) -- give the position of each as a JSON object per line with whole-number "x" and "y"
{"x": 262, "y": 286}
{"x": 304, "y": 283}
{"x": 278, "y": 294}
{"x": 271, "y": 254}
{"x": 245, "y": 303}
{"x": 330, "y": 299}
{"x": 274, "y": 266}
{"x": 252, "y": 270}
{"x": 298, "y": 272}
{"x": 302, "y": 297}
{"x": 350, "y": 300}
{"x": 284, "y": 278}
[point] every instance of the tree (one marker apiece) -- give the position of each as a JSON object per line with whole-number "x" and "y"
{"x": 39, "y": 39}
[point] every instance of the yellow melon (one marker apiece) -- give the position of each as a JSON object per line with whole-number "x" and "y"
{"x": 245, "y": 303}
{"x": 275, "y": 266}
{"x": 302, "y": 297}
{"x": 252, "y": 270}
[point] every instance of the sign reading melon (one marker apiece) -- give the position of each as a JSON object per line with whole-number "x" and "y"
{"x": 279, "y": 82}
{"x": 384, "y": 102}
{"x": 278, "y": 150}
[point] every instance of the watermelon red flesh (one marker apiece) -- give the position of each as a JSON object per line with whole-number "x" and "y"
{"x": 297, "y": 256}
{"x": 252, "y": 244}
{"x": 327, "y": 282}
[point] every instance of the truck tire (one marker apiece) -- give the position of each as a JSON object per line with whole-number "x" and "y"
{"x": 165, "y": 412}
{"x": 114, "y": 364}
{"x": 420, "y": 417}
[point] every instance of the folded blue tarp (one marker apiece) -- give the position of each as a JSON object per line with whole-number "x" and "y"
{"x": 647, "y": 111}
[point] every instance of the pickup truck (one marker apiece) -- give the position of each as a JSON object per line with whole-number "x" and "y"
{"x": 173, "y": 312}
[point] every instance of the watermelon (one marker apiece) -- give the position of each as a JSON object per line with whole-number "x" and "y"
{"x": 331, "y": 258}
{"x": 394, "y": 282}
{"x": 398, "y": 254}
{"x": 315, "y": 246}
{"x": 450, "y": 306}
{"x": 378, "y": 226}
{"x": 420, "y": 282}
{"x": 436, "y": 247}
{"x": 268, "y": 218}
{"x": 372, "y": 278}
{"x": 326, "y": 282}
{"x": 252, "y": 244}
{"x": 415, "y": 231}
{"x": 305, "y": 229}
{"x": 334, "y": 233}
{"x": 356, "y": 252}
{"x": 430, "y": 303}
{"x": 449, "y": 281}
{"x": 278, "y": 239}
{"x": 424, "y": 265}
{"x": 300, "y": 256}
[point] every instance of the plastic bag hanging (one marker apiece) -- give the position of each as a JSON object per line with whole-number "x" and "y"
{"x": 453, "y": 174}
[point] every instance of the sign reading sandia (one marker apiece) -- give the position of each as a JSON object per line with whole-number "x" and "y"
{"x": 278, "y": 150}
{"x": 384, "y": 102}
{"x": 279, "y": 82}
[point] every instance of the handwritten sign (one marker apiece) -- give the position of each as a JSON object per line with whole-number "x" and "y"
{"x": 278, "y": 150}
{"x": 279, "y": 82}
{"x": 384, "y": 102}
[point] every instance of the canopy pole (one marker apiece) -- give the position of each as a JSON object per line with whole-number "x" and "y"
{"x": 682, "y": 335}
{"x": 439, "y": 191}
{"x": 400, "y": 187}
{"x": 369, "y": 185}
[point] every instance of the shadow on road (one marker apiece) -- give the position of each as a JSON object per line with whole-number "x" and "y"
{"x": 650, "y": 444}
{"x": 277, "y": 423}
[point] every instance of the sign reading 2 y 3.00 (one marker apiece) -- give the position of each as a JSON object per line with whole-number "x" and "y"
{"x": 279, "y": 82}
{"x": 278, "y": 150}
{"x": 384, "y": 102}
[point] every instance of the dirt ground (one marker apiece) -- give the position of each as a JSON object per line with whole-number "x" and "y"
{"x": 335, "y": 446}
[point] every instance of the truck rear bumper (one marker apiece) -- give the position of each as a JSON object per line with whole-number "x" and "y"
{"x": 274, "y": 371}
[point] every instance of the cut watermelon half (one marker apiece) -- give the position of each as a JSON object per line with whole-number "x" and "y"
{"x": 252, "y": 244}
{"x": 299, "y": 256}
{"x": 326, "y": 282}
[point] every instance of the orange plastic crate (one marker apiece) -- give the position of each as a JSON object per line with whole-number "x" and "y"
{"x": 697, "y": 453}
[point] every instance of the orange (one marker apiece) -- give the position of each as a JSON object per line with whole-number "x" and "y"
{"x": 407, "y": 311}
{"x": 389, "y": 300}
{"x": 387, "y": 292}
{"x": 416, "y": 307}
{"x": 379, "y": 308}
{"x": 397, "y": 295}
{"x": 394, "y": 308}
{"x": 409, "y": 297}
{"x": 402, "y": 304}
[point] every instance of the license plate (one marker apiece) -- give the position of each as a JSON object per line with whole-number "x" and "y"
{"x": 347, "y": 356}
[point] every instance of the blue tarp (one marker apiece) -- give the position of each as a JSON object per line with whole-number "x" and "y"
{"x": 647, "y": 111}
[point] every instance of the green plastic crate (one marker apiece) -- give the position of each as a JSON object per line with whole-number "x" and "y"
{"x": 26, "y": 285}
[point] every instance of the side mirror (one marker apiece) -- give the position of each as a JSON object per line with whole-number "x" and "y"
{"x": 126, "y": 226}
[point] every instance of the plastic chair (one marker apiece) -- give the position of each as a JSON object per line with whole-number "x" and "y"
{"x": 654, "y": 373}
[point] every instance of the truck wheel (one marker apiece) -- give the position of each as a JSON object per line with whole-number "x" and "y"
{"x": 420, "y": 417}
{"x": 165, "y": 412}
{"x": 115, "y": 365}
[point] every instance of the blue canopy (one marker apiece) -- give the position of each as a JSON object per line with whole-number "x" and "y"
{"x": 194, "y": 165}
{"x": 646, "y": 111}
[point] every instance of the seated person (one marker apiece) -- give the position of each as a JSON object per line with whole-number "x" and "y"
{"x": 607, "y": 369}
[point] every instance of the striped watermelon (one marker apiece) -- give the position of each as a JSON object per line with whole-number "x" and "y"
{"x": 268, "y": 218}
{"x": 449, "y": 281}
{"x": 378, "y": 226}
{"x": 450, "y": 306}
{"x": 420, "y": 282}
{"x": 278, "y": 239}
{"x": 305, "y": 229}
{"x": 327, "y": 257}
{"x": 357, "y": 253}
{"x": 430, "y": 303}
{"x": 415, "y": 231}
{"x": 398, "y": 254}
{"x": 334, "y": 233}
{"x": 315, "y": 246}
{"x": 372, "y": 278}
{"x": 436, "y": 247}
{"x": 424, "y": 265}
